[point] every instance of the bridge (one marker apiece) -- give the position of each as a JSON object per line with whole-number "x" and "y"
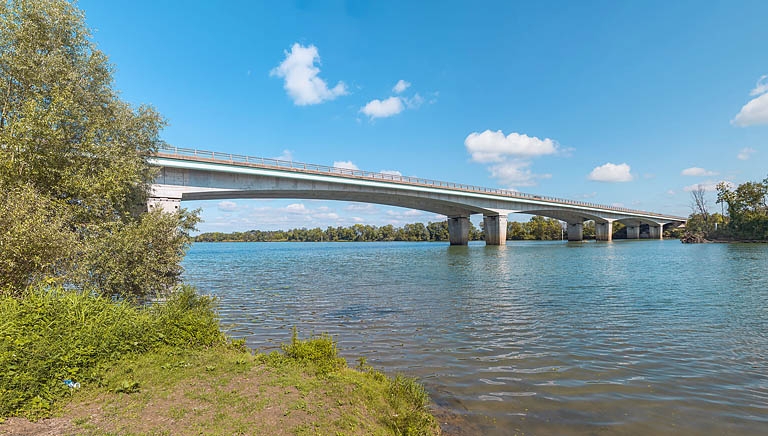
{"x": 189, "y": 174}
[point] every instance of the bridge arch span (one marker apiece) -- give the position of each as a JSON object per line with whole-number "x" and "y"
{"x": 188, "y": 176}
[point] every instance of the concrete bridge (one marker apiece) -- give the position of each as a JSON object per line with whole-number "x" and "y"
{"x": 187, "y": 174}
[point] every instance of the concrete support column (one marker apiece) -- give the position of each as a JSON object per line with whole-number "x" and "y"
{"x": 167, "y": 205}
{"x": 575, "y": 231}
{"x": 458, "y": 230}
{"x": 633, "y": 231}
{"x": 495, "y": 229}
{"x": 604, "y": 231}
{"x": 656, "y": 232}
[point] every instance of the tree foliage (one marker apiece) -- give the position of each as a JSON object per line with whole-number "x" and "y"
{"x": 34, "y": 239}
{"x": 73, "y": 158}
{"x": 434, "y": 231}
{"x": 537, "y": 228}
{"x": 747, "y": 206}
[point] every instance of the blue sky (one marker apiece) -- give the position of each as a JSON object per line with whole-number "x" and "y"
{"x": 625, "y": 103}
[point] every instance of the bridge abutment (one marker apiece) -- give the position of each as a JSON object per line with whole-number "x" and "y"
{"x": 495, "y": 227}
{"x": 604, "y": 231}
{"x": 458, "y": 230}
{"x": 167, "y": 205}
{"x": 576, "y": 231}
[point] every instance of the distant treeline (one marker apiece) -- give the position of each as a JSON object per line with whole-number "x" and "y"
{"x": 359, "y": 232}
{"x": 538, "y": 228}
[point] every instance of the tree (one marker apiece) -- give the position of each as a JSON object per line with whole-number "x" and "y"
{"x": 747, "y": 209}
{"x": 68, "y": 140}
{"x": 698, "y": 226}
{"x": 699, "y": 202}
{"x": 34, "y": 240}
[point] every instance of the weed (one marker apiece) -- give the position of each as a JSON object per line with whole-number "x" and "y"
{"x": 320, "y": 352}
{"x": 409, "y": 401}
{"x": 49, "y": 335}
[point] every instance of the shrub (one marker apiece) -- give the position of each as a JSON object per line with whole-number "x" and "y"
{"x": 52, "y": 334}
{"x": 410, "y": 400}
{"x": 319, "y": 351}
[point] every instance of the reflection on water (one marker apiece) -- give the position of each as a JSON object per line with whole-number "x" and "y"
{"x": 630, "y": 337}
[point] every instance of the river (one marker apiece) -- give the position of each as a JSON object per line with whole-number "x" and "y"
{"x": 626, "y": 337}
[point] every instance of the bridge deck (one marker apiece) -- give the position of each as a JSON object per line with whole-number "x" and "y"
{"x": 268, "y": 163}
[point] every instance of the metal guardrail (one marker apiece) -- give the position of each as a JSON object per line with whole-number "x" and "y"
{"x": 232, "y": 159}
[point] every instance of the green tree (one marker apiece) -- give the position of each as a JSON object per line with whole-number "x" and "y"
{"x": 438, "y": 231}
{"x": 516, "y": 231}
{"x": 589, "y": 230}
{"x": 747, "y": 209}
{"x": 78, "y": 153}
{"x": 34, "y": 239}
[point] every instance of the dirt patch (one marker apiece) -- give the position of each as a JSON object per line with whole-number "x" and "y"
{"x": 255, "y": 402}
{"x": 44, "y": 427}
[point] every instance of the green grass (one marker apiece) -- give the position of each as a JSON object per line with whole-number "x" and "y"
{"x": 52, "y": 335}
{"x": 251, "y": 394}
{"x": 168, "y": 369}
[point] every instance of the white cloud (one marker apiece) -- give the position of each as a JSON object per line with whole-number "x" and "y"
{"x": 414, "y": 102}
{"x": 366, "y": 208}
{"x": 345, "y": 165}
{"x": 611, "y": 173}
{"x": 756, "y": 110}
{"x": 745, "y": 153}
{"x": 670, "y": 192}
{"x": 227, "y": 206}
{"x": 287, "y": 155}
{"x": 297, "y": 208}
{"x": 383, "y": 108}
{"x": 708, "y": 186}
{"x": 509, "y": 155}
{"x": 491, "y": 146}
{"x": 391, "y": 172}
{"x": 761, "y": 87}
{"x": 401, "y": 86}
{"x": 399, "y": 215}
{"x": 301, "y": 77}
{"x": 516, "y": 172}
{"x": 698, "y": 172}
{"x": 326, "y": 216}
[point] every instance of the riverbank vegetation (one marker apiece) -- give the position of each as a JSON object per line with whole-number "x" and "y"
{"x": 358, "y": 233}
{"x": 92, "y": 313}
{"x": 538, "y": 228}
{"x": 95, "y": 364}
{"x": 745, "y": 216}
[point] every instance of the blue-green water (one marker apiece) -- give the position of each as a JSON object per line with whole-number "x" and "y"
{"x": 629, "y": 337}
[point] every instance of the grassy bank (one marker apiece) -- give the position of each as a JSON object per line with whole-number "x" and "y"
{"x": 167, "y": 369}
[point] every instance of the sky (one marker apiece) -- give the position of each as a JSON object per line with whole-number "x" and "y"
{"x": 630, "y": 104}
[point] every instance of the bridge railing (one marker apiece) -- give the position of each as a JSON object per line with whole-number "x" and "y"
{"x": 231, "y": 158}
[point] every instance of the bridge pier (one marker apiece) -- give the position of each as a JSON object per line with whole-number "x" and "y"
{"x": 495, "y": 229}
{"x": 458, "y": 230}
{"x": 656, "y": 231}
{"x": 604, "y": 231}
{"x": 633, "y": 231}
{"x": 576, "y": 231}
{"x": 167, "y": 205}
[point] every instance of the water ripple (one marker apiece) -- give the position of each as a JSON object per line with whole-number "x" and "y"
{"x": 635, "y": 337}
